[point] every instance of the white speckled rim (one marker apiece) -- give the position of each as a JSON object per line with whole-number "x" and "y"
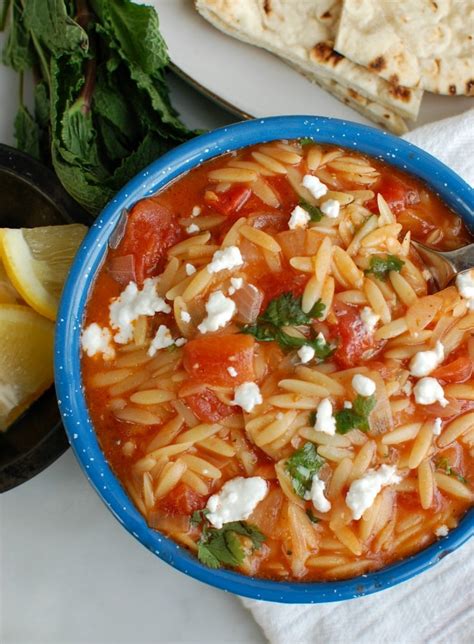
{"x": 452, "y": 189}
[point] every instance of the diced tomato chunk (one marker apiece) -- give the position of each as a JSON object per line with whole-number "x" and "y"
{"x": 208, "y": 358}
{"x": 207, "y": 406}
{"x": 459, "y": 370}
{"x": 182, "y": 500}
{"x": 353, "y": 338}
{"x": 231, "y": 201}
{"x": 151, "y": 229}
{"x": 396, "y": 193}
{"x": 275, "y": 284}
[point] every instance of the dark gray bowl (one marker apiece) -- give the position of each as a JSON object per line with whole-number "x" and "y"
{"x": 31, "y": 195}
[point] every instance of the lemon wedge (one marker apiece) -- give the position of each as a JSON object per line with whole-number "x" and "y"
{"x": 26, "y": 359}
{"x": 8, "y": 294}
{"x": 37, "y": 261}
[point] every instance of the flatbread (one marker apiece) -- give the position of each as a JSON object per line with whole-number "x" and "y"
{"x": 380, "y": 114}
{"x": 303, "y": 33}
{"x": 415, "y": 43}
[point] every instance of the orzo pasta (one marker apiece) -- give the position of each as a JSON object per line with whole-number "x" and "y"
{"x": 280, "y": 387}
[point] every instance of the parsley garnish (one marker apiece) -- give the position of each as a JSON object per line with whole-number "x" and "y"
{"x": 311, "y": 516}
{"x": 357, "y": 417}
{"x": 381, "y": 266}
{"x": 306, "y": 141}
{"x": 443, "y": 465}
{"x": 283, "y": 311}
{"x": 313, "y": 211}
{"x": 302, "y": 466}
{"x": 218, "y": 547}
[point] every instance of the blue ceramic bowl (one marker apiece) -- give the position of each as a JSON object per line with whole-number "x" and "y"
{"x": 452, "y": 189}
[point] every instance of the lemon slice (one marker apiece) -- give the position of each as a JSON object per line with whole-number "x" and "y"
{"x": 26, "y": 359}
{"x": 8, "y": 294}
{"x": 37, "y": 261}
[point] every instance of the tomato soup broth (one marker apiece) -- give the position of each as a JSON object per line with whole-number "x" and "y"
{"x": 270, "y": 371}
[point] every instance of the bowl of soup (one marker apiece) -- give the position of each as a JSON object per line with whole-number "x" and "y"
{"x": 258, "y": 374}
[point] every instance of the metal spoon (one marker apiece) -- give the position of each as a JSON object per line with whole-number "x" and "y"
{"x": 445, "y": 265}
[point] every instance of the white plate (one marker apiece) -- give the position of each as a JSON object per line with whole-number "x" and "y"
{"x": 253, "y": 82}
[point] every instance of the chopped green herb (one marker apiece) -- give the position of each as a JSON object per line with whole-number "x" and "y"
{"x": 198, "y": 517}
{"x": 311, "y": 516}
{"x": 302, "y": 465}
{"x": 443, "y": 465}
{"x": 284, "y": 311}
{"x": 381, "y": 266}
{"x": 357, "y": 417}
{"x": 313, "y": 211}
{"x": 306, "y": 141}
{"x": 218, "y": 547}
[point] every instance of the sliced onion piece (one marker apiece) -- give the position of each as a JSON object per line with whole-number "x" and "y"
{"x": 122, "y": 269}
{"x": 248, "y": 300}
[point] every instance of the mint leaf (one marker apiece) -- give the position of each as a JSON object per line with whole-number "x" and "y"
{"x": 302, "y": 465}
{"x": 313, "y": 211}
{"x": 311, "y": 516}
{"x": 381, "y": 266}
{"x": 285, "y": 310}
{"x": 357, "y": 417}
{"x": 218, "y": 547}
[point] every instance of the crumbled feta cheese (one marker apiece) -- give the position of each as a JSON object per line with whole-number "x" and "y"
{"x": 185, "y": 317}
{"x": 162, "y": 339}
{"x": 347, "y": 404}
{"x": 437, "y": 426}
{"x": 247, "y": 395}
{"x": 190, "y": 269}
{"x": 306, "y": 353}
{"x": 232, "y": 372}
{"x": 127, "y": 308}
{"x": 428, "y": 391}
{"x": 369, "y": 318}
{"x": 195, "y": 211}
{"x": 225, "y": 259}
{"x": 407, "y": 388}
{"x": 316, "y": 495}
{"x": 192, "y": 228}
{"x": 465, "y": 286}
{"x": 362, "y": 492}
{"x": 236, "y": 500}
{"x": 96, "y": 339}
{"x": 315, "y": 186}
{"x": 236, "y": 284}
{"x": 220, "y": 310}
{"x": 179, "y": 342}
{"x": 424, "y": 362}
{"x": 363, "y": 386}
{"x": 325, "y": 421}
{"x": 442, "y": 531}
{"x": 299, "y": 218}
{"x": 331, "y": 208}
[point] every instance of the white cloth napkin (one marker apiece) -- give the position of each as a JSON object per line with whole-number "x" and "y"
{"x": 438, "y": 605}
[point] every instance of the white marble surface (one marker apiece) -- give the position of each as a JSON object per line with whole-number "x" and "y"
{"x": 69, "y": 573}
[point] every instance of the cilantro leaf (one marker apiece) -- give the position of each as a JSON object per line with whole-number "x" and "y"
{"x": 381, "y": 266}
{"x": 302, "y": 465}
{"x": 357, "y": 417}
{"x": 314, "y": 212}
{"x": 218, "y": 547}
{"x": 305, "y": 141}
